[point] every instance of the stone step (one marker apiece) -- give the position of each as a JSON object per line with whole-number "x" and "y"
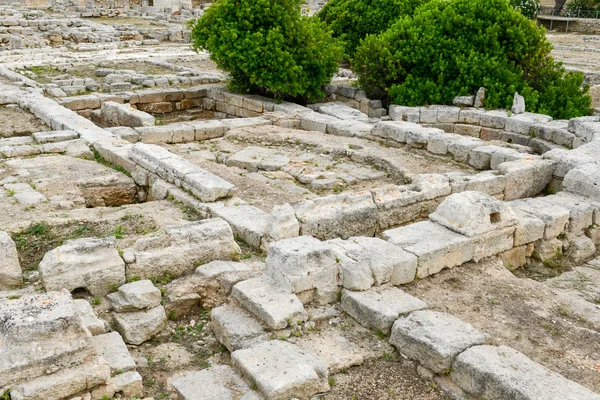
{"x": 267, "y": 301}
{"x": 235, "y": 328}
{"x": 216, "y": 383}
{"x": 114, "y": 350}
{"x": 281, "y": 370}
{"x": 378, "y": 308}
{"x": 496, "y": 373}
{"x": 434, "y": 339}
{"x": 247, "y": 222}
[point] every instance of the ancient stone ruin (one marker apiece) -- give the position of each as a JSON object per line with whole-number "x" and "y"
{"x": 164, "y": 238}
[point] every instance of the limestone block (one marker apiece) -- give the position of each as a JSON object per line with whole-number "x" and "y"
{"x": 496, "y": 373}
{"x": 584, "y": 180}
{"x": 114, "y": 350}
{"x": 94, "y": 324}
{"x": 471, "y": 116}
{"x": 516, "y": 257}
{"x": 172, "y": 133}
{"x": 401, "y": 204}
{"x": 548, "y": 249}
{"x": 518, "y": 106}
{"x": 487, "y": 182}
{"x": 473, "y": 213}
{"x": 11, "y": 276}
{"x": 54, "y": 136}
{"x": 304, "y": 263}
{"x": 503, "y": 154}
{"x": 269, "y": 302}
{"x": 581, "y": 249}
{"x": 395, "y": 130}
{"x": 555, "y": 217}
{"x": 316, "y": 121}
{"x": 432, "y": 186}
{"x": 526, "y": 177}
{"x": 254, "y": 158}
{"x": 461, "y": 148}
{"x": 51, "y": 321}
{"x": 493, "y": 243}
{"x": 365, "y": 262}
{"x": 479, "y": 97}
{"x": 235, "y": 123}
{"x": 182, "y": 248}
{"x": 447, "y": 114}
{"x": 210, "y": 129}
{"x": 349, "y": 128}
{"x": 215, "y": 383}
{"x": 111, "y": 190}
{"x": 463, "y": 101}
{"x": 115, "y": 114}
{"x": 438, "y": 144}
{"x": 137, "y": 327}
{"x": 467, "y": 130}
{"x": 64, "y": 383}
{"x": 281, "y": 370}
{"x": 334, "y": 349}
{"x": 282, "y": 223}
{"x": 135, "y": 296}
{"x": 523, "y": 122}
{"x": 581, "y": 212}
{"x": 529, "y": 228}
{"x": 89, "y": 263}
{"x": 480, "y": 157}
{"x": 494, "y": 119}
{"x": 378, "y": 308}
{"x": 247, "y": 222}
{"x": 125, "y": 133}
{"x": 128, "y": 384}
{"x": 341, "y": 111}
{"x": 435, "y": 246}
{"x": 407, "y": 114}
{"x": 235, "y": 328}
{"x": 342, "y": 215}
{"x": 434, "y": 339}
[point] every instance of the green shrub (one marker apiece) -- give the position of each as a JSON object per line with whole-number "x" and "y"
{"x": 582, "y": 8}
{"x": 268, "y": 47}
{"x": 353, "y": 20}
{"x": 454, "y": 47}
{"x": 529, "y": 8}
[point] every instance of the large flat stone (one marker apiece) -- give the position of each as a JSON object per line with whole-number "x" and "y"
{"x": 435, "y": 246}
{"x": 281, "y": 370}
{"x": 378, "y": 308}
{"x": 254, "y": 158}
{"x": 90, "y": 263}
{"x": 497, "y": 373}
{"x": 247, "y": 222}
{"x": 137, "y": 327}
{"x": 434, "y": 339}
{"x": 365, "y": 262}
{"x": 135, "y": 296}
{"x": 216, "y": 383}
{"x": 584, "y": 181}
{"x": 235, "y": 328}
{"x": 269, "y": 302}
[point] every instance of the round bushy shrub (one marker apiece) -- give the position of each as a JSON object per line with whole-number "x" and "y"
{"x": 453, "y": 47}
{"x": 267, "y": 47}
{"x": 353, "y": 20}
{"x": 529, "y": 8}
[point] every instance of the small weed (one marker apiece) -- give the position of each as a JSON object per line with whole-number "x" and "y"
{"x": 380, "y": 334}
{"x": 33, "y": 186}
{"x": 96, "y": 301}
{"x": 164, "y": 279}
{"x": 494, "y": 302}
{"x": 118, "y": 232}
{"x": 562, "y": 311}
{"x": 11, "y": 192}
{"x": 172, "y": 316}
{"x": 99, "y": 159}
{"x": 13, "y": 297}
{"x": 133, "y": 279}
{"x": 246, "y": 256}
{"x": 331, "y": 381}
{"x": 387, "y": 357}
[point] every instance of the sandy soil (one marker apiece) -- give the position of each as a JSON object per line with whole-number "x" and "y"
{"x": 552, "y": 326}
{"x": 15, "y": 121}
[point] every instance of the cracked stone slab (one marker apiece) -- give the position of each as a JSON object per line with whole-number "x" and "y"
{"x": 235, "y": 328}
{"x": 216, "y": 383}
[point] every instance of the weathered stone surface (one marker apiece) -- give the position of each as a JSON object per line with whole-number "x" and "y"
{"x": 54, "y": 136}
{"x": 526, "y": 177}
{"x": 473, "y": 213}
{"x": 341, "y": 111}
{"x": 433, "y": 338}
{"x": 365, "y": 262}
{"x": 247, "y": 222}
{"x": 90, "y": 263}
{"x": 584, "y": 181}
{"x": 581, "y": 249}
{"x": 182, "y": 247}
{"x": 108, "y": 191}
{"x": 529, "y": 228}
{"x": 395, "y": 130}
{"x": 216, "y": 383}
{"x": 316, "y": 121}
{"x": 479, "y": 98}
{"x": 235, "y": 328}
{"x": 112, "y": 347}
{"x": 64, "y": 383}
{"x": 554, "y": 217}
{"x": 518, "y": 106}
{"x": 94, "y": 324}
{"x": 216, "y": 268}
{"x": 334, "y": 349}
{"x": 500, "y": 373}
{"x": 282, "y": 223}
{"x": 128, "y": 384}
{"x": 11, "y": 276}
{"x": 114, "y": 114}
{"x": 435, "y": 246}
{"x": 254, "y": 158}
{"x": 267, "y": 301}
{"x": 464, "y": 101}
{"x": 349, "y": 128}
{"x": 281, "y": 370}
{"x": 304, "y": 263}
{"x": 135, "y": 296}
{"x": 138, "y": 327}
{"x": 51, "y": 321}
{"x": 378, "y": 308}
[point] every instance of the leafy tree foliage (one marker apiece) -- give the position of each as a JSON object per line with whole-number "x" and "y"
{"x": 453, "y": 47}
{"x": 267, "y": 47}
{"x": 529, "y": 8}
{"x": 353, "y": 20}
